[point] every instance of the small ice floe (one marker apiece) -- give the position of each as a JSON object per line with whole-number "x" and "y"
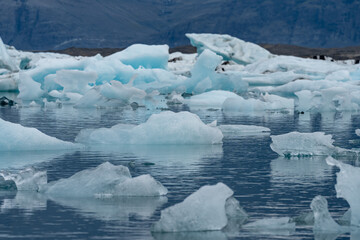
{"x": 307, "y": 144}
{"x": 163, "y": 128}
{"x": 19, "y": 138}
{"x": 104, "y": 181}
{"x": 208, "y": 209}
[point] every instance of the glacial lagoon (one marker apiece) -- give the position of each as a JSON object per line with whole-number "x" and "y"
{"x": 265, "y": 184}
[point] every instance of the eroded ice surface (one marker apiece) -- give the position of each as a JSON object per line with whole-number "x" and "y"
{"x": 230, "y": 48}
{"x": 304, "y": 144}
{"x": 348, "y": 187}
{"x": 207, "y": 209}
{"x": 104, "y": 181}
{"x": 20, "y": 138}
{"x": 163, "y": 128}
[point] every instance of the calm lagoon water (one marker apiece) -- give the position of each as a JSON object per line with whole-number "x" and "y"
{"x": 266, "y": 185}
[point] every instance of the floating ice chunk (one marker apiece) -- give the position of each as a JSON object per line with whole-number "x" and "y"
{"x": 5, "y": 60}
{"x": 29, "y": 89}
{"x": 106, "y": 180}
{"x": 282, "y": 223}
{"x": 230, "y": 48}
{"x": 231, "y": 131}
{"x": 341, "y": 75}
{"x": 268, "y": 103}
{"x": 180, "y": 63}
{"x": 27, "y": 180}
{"x": 348, "y": 187}
{"x": 303, "y": 144}
{"x": 205, "y": 210}
{"x": 213, "y": 99}
{"x": 357, "y": 132}
{"x": 147, "y": 56}
{"x": 75, "y": 81}
{"x": 322, "y": 218}
{"x": 19, "y": 138}
{"x": 163, "y": 128}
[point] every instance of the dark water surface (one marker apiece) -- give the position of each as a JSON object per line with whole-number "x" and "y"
{"x": 266, "y": 185}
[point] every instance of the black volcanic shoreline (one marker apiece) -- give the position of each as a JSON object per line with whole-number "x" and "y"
{"x": 345, "y": 53}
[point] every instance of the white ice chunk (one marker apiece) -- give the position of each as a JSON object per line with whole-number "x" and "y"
{"x": 230, "y": 48}
{"x": 75, "y": 81}
{"x": 282, "y": 223}
{"x": 348, "y": 187}
{"x": 231, "y": 131}
{"x": 303, "y": 144}
{"x": 19, "y": 138}
{"x": 268, "y": 103}
{"x": 163, "y": 128}
{"x": 5, "y": 60}
{"x": 147, "y": 56}
{"x": 29, "y": 89}
{"x": 204, "y": 210}
{"x": 213, "y": 99}
{"x": 322, "y": 218}
{"x": 106, "y": 180}
{"x": 296, "y": 64}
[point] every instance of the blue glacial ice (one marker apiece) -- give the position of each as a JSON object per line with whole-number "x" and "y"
{"x": 167, "y": 127}
{"x": 208, "y": 209}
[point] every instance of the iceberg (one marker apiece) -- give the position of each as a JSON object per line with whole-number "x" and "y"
{"x": 75, "y": 81}
{"x": 19, "y": 138}
{"x": 305, "y": 144}
{"x": 163, "y": 128}
{"x": 322, "y": 218}
{"x": 208, "y": 209}
{"x": 357, "y": 132}
{"x": 348, "y": 187}
{"x": 29, "y": 89}
{"x": 5, "y": 60}
{"x": 230, "y": 48}
{"x": 266, "y": 103}
{"x": 141, "y": 55}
